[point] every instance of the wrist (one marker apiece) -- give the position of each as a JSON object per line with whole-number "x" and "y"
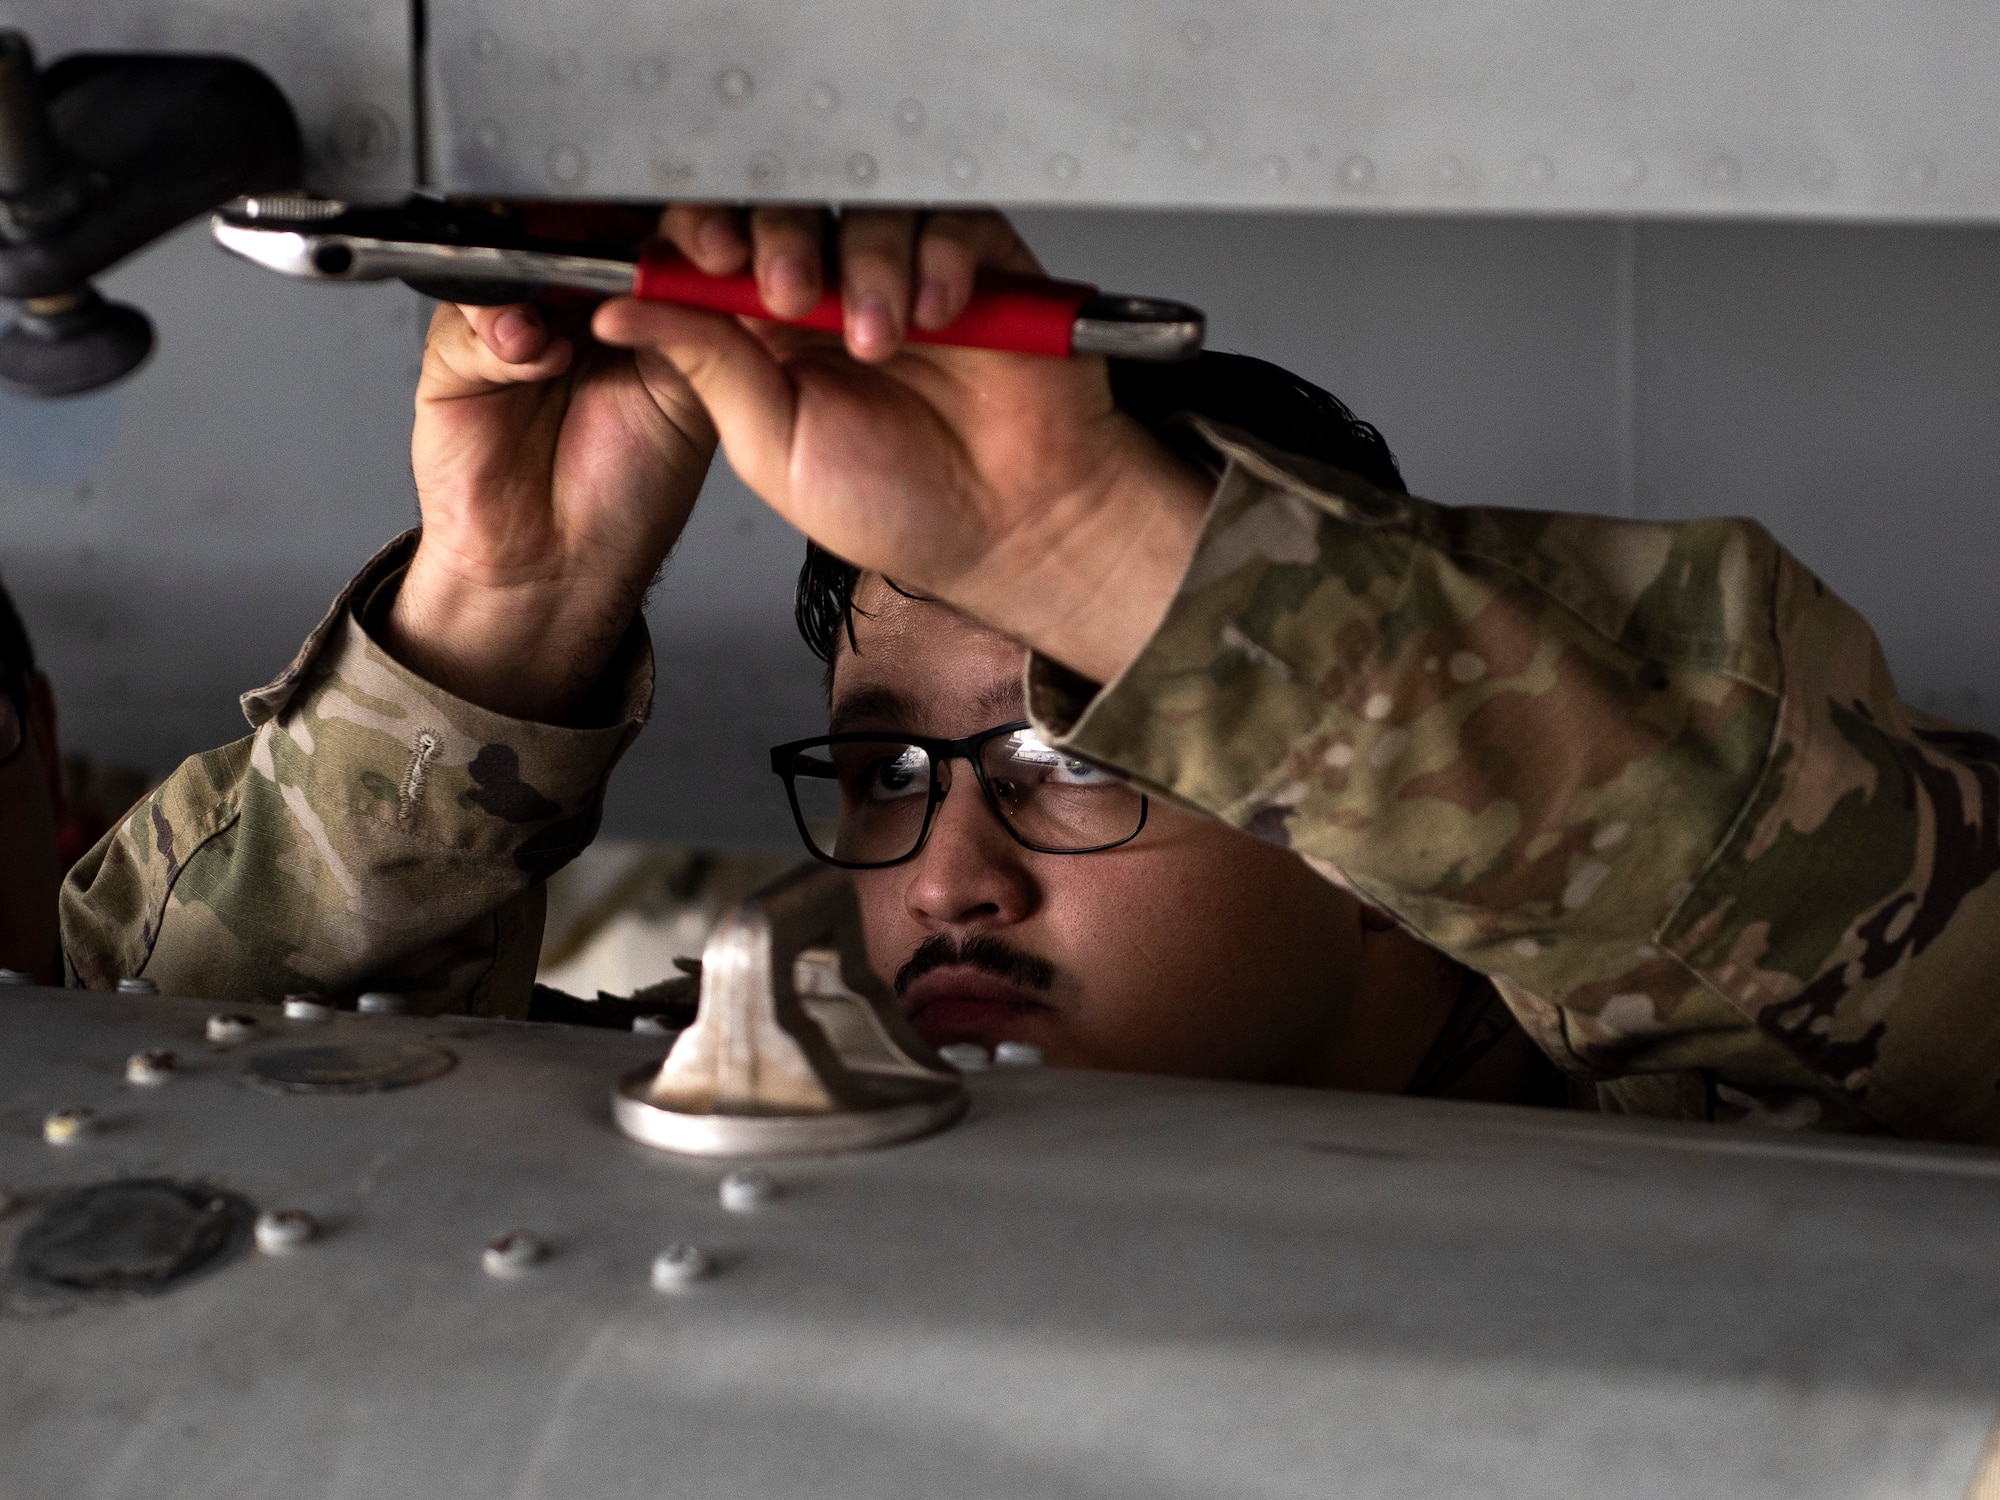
{"x": 527, "y": 645}
{"x": 1091, "y": 584}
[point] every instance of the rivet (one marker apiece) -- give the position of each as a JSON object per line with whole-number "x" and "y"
{"x": 1722, "y": 171}
{"x": 363, "y": 136}
{"x": 226, "y": 1029}
{"x": 307, "y": 1008}
{"x": 680, "y": 1266}
{"x": 1195, "y": 141}
{"x": 567, "y": 164}
{"x": 734, "y": 85}
{"x": 910, "y": 116}
{"x": 1820, "y": 173}
{"x": 1273, "y": 168}
{"x": 967, "y": 1057}
{"x": 282, "y": 1229}
{"x": 565, "y": 65}
{"x": 382, "y": 1003}
{"x": 1629, "y": 172}
{"x": 1064, "y": 168}
{"x": 514, "y": 1253}
{"x": 1357, "y": 172}
{"x": 1920, "y": 173}
{"x": 824, "y": 98}
{"x": 16, "y": 976}
{"x": 484, "y": 44}
{"x": 653, "y": 1026}
{"x": 746, "y": 1190}
{"x": 1538, "y": 171}
{"x": 649, "y": 72}
{"x": 150, "y": 1069}
{"x": 1196, "y": 34}
{"x": 764, "y": 171}
{"x": 964, "y": 168}
{"x": 670, "y": 172}
{"x": 1125, "y": 134}
{"x": 1449, "y": 172}
{"x": 64, "y": 1126}
{"x": 138, "y": 986}
{"x": 486, "y": 135}
{"x": 861, "y": 168}
{"x": 1017, "y": 1055}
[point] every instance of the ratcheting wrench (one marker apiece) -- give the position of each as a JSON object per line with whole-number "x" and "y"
{"x": 467, "y": 253}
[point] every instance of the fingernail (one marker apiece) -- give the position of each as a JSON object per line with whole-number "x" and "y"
{"x": 870, "y": 324}
{"x": 932, "y": 299}
{"x": 715, "y": 237}
{"x": 511, "y": 325}
{"x": 791, "y": 285}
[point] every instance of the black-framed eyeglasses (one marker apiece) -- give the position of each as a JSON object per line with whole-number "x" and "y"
{"x": 865, "y": 801}
{"x": 13, "y": 715}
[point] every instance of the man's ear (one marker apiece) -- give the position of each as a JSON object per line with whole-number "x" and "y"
{"x": 42, "y": 732}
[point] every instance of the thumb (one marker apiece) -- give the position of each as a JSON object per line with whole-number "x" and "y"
{"x": 748, "y": 394}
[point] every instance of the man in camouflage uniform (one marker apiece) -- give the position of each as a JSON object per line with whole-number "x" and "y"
{"x": 1652, "y": 780}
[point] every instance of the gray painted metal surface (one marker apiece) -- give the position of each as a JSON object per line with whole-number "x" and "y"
{"x": 346, "y": 66}
{"x": 1094, "y": 1286}
{"x": 1841, "y": 109}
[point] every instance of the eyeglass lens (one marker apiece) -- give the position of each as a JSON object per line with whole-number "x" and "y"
{"x": 864, "y": 801}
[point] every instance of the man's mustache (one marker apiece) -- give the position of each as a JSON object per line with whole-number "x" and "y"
{"x": 980, "y": 951}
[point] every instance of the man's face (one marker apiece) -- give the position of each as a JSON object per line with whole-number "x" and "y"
{"x": 1192, "y": 950}
{"x": 30, "y": 873}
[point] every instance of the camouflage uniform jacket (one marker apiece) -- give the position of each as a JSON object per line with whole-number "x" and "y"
{"x": 1653, "y": 779}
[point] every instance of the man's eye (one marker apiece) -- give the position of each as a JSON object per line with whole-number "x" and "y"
{"x": 1079, "y": 773}
{"x": 897, "y": 776}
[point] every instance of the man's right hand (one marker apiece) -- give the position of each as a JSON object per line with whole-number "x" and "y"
{"x": 554, "y": 475}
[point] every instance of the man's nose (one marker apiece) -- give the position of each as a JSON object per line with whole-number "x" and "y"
{"x": 970, "y": 872}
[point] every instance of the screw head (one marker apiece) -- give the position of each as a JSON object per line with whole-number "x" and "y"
{"x": 1018, "y": 1055}
{"x": 307, "y": 1008}
{"x": 746, "y": 1190}
{"x": 514, "y": 1253}
{"x": 679, "y": 1267}
{"x": 382, "y": 1003}
{"x": 63, "y": 1127}
{"x": 150, "y": 1069}
{"x": 967, "y": 1057}
{"x": 138, "y": 986}
{"x": 226, "y": 1030}
{"x": 283, "y": 1229}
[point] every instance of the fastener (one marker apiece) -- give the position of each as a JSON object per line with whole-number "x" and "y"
{"x": 227, "y": 1029}
{"x": 514, "y": 1253}
{"x": 1018, "y": 1055}
{"x": 680, "y": 1266}
{"x": 150, "y": 1068}
{"x": 64, "y": 1126}
{"x": 381, "y": 1003}
{"x": 282, "y": 1229}
{"x": 746, "y": 1190}
{"x": 653, "y": 1026}
{"x": 307, "y": 1008}
{"x": 137, "y": 986}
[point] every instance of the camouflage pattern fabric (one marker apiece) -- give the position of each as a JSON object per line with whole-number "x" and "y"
{"x": 1652, "y": 778}
{"x": 372, "y": 833}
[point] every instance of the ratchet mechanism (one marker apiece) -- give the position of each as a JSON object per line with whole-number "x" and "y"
{"x": 498, "y": 254}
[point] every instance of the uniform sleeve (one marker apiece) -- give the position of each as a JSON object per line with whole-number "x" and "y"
{"x": 1652, "y": 778}
{"x": 372, "y": 832}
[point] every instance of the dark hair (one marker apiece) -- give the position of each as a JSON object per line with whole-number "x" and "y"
{"x": 17, "y": 652}
{"x": 1270, "y": 403}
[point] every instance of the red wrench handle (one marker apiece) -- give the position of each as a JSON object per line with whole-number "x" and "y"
{"x": 1019, "y": 314}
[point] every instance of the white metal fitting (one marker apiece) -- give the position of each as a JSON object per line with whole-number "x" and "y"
{"x": 282, "y": 1229}
{"x": 307, "y": 1008}
{"x": 16, "y": 976}
{"x": 138, "y": 986}
{"x": 680, "y": 1266}
{"x": 514, "y": 1253}
{"x": 382, "y": 1003}
{"x": 1017, "y": 1055}
{"x": 653, "y": 1026}
{"x": 746, "y": 1190}
{"x": 150, "y": 1069}
{"x": 228, "y": 1029}
{"x": 64, "y": 1126}
{"x": 967, "y": 1057}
